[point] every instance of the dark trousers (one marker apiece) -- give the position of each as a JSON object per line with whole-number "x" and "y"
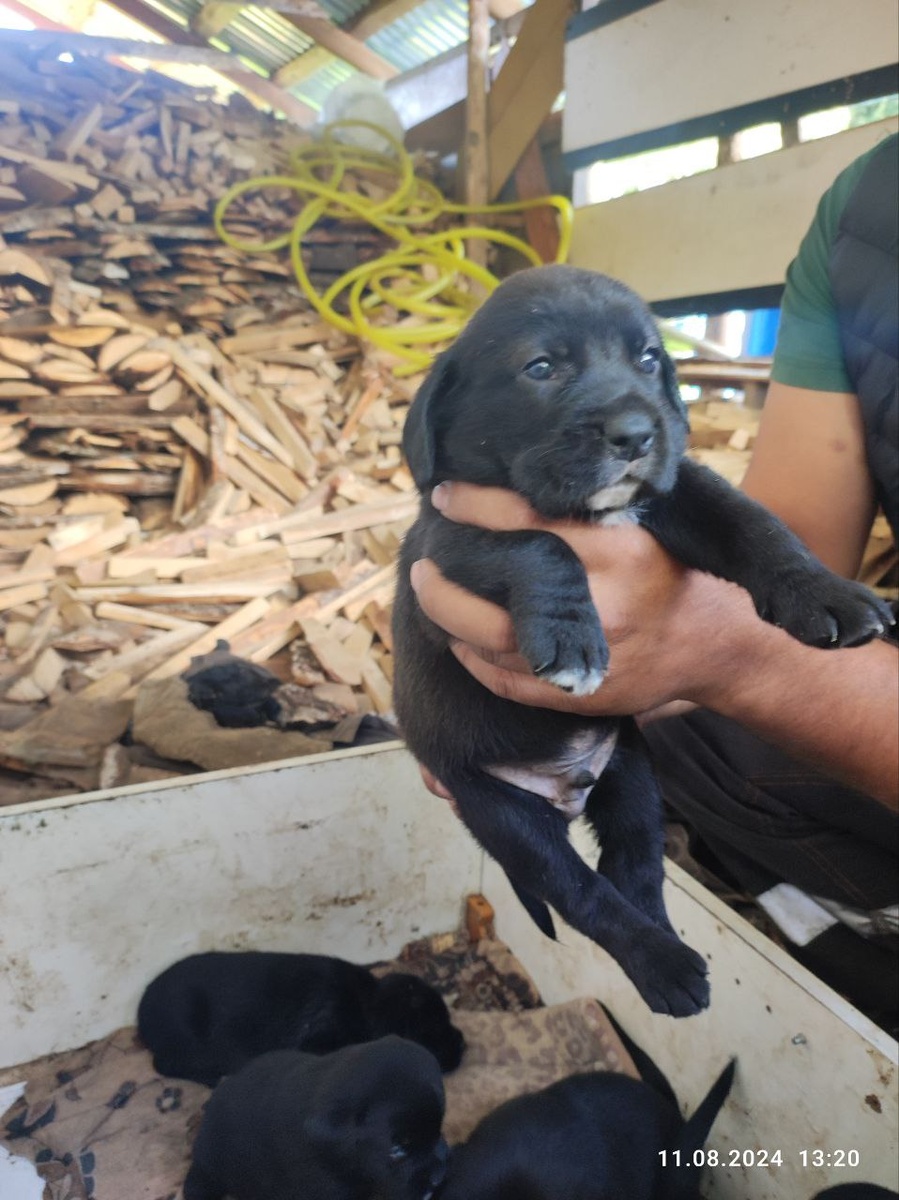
{"x": 767, "y": 819}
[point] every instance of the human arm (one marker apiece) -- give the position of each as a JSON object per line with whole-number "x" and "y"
{"x": 676, "y": 634}
{"x": 809, "y": 468}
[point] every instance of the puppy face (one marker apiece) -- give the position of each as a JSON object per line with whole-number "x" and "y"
{"x": 410, "y": 1008}
{"x": 381, "y": 1120}
{"x": 558, "y": 388}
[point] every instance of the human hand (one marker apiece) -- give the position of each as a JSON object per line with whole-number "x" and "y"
{"x": 673, "y": 633}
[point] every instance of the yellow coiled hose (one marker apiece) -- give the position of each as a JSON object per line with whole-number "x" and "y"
{"x": 427, "y": 277}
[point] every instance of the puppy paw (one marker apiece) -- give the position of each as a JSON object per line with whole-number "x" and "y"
{"x": 821, "y": 609}
{"x": 670, "y": 976}
{"x": 570, "y": 653}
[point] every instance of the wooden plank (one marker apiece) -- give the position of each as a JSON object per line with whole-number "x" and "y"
{"x": 654, "y": 241}
{"x": 725, "y": 55}
{"x": 303, "y": 66}
{"x": 379, "y": 14}
{"x": 541, "y": 224}
{"x": 108, "y": 611}
{"x": 528, "y": 84}
{"x": 91, "y": 46}
{"x": 475, "y": 156}
{"x": 246, "y": 616}
{"x": 216, "y": 15}
{"x": 213, "y": 390}
{"x": 26, "y": 594}
{"x": 344, "y": 45}
{"x": 139, "y": 660}
{"x": 300, "y": 527}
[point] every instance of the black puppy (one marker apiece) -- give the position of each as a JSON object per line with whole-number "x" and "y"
{"x": 559, "y": 389}
{"x": 362, "y": 1123}
{"x": 207, "y": 1015}
{"x": 598, "y": 1136}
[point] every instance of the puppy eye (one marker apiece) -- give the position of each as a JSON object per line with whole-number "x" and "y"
{"x": 649, "y": 360}
{"x": 539, "y": 368}
{"x": 398, "y": 1152}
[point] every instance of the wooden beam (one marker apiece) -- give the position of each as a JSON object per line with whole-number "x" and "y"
{"x": 526, "y": 88}
{"x": 378, "y": 15}
{"x": 540, "y": 223}
{"x": 344, "y": 45}
{"x": 368, "y": 23}
{"x": 30, "y": 14}
{"x": 475, "y": 155}
{"x": 44, "y": 40}
{"x": 215, "y": 15}
{"x": 247, "y": 80}
{"x": 303, "y": 66}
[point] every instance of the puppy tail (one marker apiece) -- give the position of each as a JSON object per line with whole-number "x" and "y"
{"x": 694, "y": 1134}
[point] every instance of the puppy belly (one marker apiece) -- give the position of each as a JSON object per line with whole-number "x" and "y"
{"x": 566, "y": 781}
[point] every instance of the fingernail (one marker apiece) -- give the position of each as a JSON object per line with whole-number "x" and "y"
{"x": 415, "y": 574}
{"x": 440, "y": 496}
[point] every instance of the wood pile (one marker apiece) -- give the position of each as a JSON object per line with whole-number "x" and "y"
{"x": 722, "y": 435}
{"x": 187, "y": 454}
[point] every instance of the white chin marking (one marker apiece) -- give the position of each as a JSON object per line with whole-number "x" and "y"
{"x": 619, "y": 516}
{"x": 576, "y": 683}
{"x": 615, "y": 496}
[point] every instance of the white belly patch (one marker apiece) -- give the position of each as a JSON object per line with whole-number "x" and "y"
{"x": 567, "y": 781}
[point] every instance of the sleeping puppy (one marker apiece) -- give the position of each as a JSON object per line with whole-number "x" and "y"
{"x": 598, "y": 1136}
{"x": 362, "y": 1123}
{"x": 559, "y": 389}
{"x": 208, "y": 1014}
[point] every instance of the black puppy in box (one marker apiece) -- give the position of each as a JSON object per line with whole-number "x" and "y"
{"x": 209, "y": 1014}
{"x": 362, "y": 1123}
{"x": 595, "y": 1136}
{"x": 559, "y": 389}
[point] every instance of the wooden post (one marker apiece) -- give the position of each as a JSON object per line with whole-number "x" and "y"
{"x": 540, "y": 224}
{"x": 477, "y": 167}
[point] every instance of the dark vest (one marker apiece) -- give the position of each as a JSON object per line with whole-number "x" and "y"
{"x": 864, "y": 277}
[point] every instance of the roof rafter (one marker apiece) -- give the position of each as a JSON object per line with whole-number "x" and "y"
{"x": 215, "y": 15}
{"x": 344, "y": 45}
{"x": 312, "y": 20}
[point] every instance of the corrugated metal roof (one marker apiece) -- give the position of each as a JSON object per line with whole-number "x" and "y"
{"x": 431, "y": 28}
{"x": 269, "y": 40}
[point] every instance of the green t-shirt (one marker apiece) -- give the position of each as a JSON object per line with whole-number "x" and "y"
{"x": 809, "y": 352}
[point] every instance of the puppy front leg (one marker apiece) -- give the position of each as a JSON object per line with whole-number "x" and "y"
{"x": 541, "y": 583}
{"x": 707, "y": 524}
{"x": 529, "y": 840}
{"x": 625, "y": 811}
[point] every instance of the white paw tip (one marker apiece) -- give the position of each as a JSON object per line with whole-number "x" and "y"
{"x": 576, "y": 683}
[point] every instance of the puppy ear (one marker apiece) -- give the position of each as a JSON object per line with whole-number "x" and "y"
{"x": 420, "y": 432}
{"x": 672, "y": 390}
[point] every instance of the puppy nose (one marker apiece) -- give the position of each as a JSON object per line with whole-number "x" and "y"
{"x": 630, "y": 435}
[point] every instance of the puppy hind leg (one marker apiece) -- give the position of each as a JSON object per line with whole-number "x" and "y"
{"x": 536, "y": 910}
{"x": 625, "y": 812}
{"x": 529, "y": 840}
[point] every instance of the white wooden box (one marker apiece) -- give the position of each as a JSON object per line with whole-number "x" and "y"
{"x": 348, "y": 854}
